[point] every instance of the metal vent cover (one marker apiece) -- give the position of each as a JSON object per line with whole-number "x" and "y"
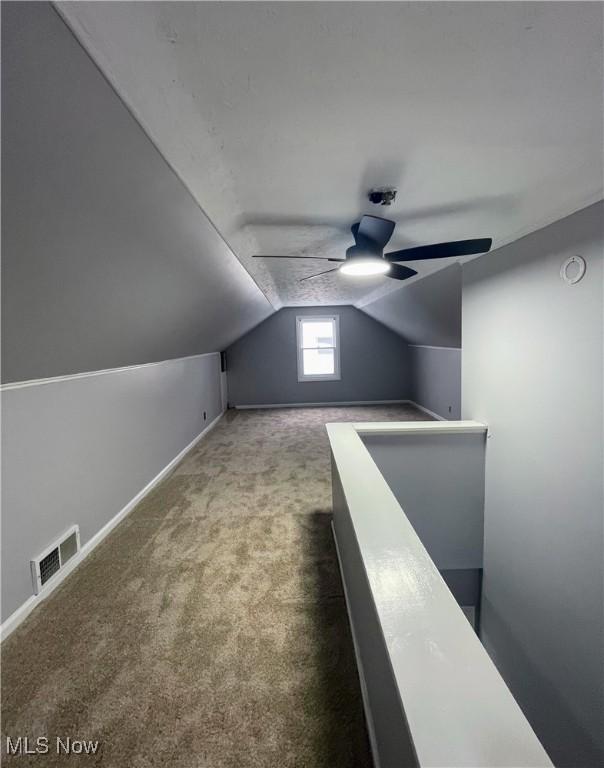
{"x": 49, "y": 565}
{"x": 52, "y": 559}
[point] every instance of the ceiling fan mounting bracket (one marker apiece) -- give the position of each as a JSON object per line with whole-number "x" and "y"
{"x": 384, "y": 196}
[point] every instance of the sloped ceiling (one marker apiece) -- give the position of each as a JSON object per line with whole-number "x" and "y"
{"x": 107, "y": 260}
{"x": 279, "y": 117}
{"x": 427, "y": 311}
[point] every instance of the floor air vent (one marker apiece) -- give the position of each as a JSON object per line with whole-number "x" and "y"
{"x": 53, "y": 558}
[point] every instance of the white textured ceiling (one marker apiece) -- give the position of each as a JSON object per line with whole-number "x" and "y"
{"x": 280, "y": 116}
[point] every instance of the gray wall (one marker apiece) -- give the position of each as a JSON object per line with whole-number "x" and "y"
{"x": 436, "y": 379}
{"x": 439, "y": 482}
{"x": 77, "y": 450}
{"x": 106, "y": 259}
{"x": 426, "y": 312}
{"x": 262, "y": 366}
{"x": 532, "y": 370}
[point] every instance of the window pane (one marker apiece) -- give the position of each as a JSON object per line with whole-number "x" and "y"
{"x": 318, "y": 362}
{"x": 317, "y": 333}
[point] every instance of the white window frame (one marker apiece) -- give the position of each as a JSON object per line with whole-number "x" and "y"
{"x": 335, "y": 319}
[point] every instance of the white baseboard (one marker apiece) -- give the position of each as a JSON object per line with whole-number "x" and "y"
{"x": 322, "y": 405}
{"x": 434, "y": 415}
{"x": 342, "y": 403}
{"x": 430, "y": 346}
{"x": 13, "y": 621}
{"x": 357, "y": 654}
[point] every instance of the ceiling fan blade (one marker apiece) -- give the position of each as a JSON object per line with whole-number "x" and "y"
{"x": 271, "y": 256}
{"x": 399, "y": 272}
{"x": 441, "y": 250}
{"x": 375, "y": 229}
{"x": 327, "y": 271}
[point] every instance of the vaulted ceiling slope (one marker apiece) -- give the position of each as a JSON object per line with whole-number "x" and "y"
{"x": 107, "y": 260}
{"x": 426, "y": 312}
{"x": 279, "y": 116}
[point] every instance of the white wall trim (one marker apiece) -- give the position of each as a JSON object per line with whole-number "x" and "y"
{"x": 419, "y": 428}
{"x": 357, "y": 653}
{"x": 429, "y": 346}
{"x": 434, "y": 415}
{"x": 13, "y": 621}
{"x": 102, "y": 372}
{"x": 335, "y": 404}
{"x": 335, "y": 320}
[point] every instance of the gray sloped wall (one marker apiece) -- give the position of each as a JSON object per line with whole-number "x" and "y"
{"x": 106, "y": 260}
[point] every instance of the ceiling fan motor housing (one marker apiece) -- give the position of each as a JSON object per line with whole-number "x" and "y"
{"x": 364, "y": 251}
{"x": 382, "y": 196}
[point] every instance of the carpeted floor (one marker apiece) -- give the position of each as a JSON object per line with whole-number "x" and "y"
{"x": 209, "y": 629}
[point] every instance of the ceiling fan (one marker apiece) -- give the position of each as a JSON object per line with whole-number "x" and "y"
{"x": 367, "y": 257}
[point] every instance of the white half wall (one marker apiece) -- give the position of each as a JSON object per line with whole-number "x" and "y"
{"x": 79, "y": 449}
{"x": 432, "y": 695}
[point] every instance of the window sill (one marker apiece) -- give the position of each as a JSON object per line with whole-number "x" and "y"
{"x": 329, "y": 377}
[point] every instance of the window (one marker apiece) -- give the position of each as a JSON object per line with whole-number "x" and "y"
{"x": 318, "y": 348}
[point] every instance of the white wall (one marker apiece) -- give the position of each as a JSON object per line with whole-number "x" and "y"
{"x": 532, "y": 370}
{"x": 80, "y": 448}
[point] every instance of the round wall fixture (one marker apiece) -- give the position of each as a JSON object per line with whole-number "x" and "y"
{"x": 573, "y": 269}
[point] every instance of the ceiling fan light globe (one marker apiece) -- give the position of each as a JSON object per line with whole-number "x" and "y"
{"x": 362, "y": 267}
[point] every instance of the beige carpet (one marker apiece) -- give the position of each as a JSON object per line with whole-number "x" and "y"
{"x": 209, "y": 629}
